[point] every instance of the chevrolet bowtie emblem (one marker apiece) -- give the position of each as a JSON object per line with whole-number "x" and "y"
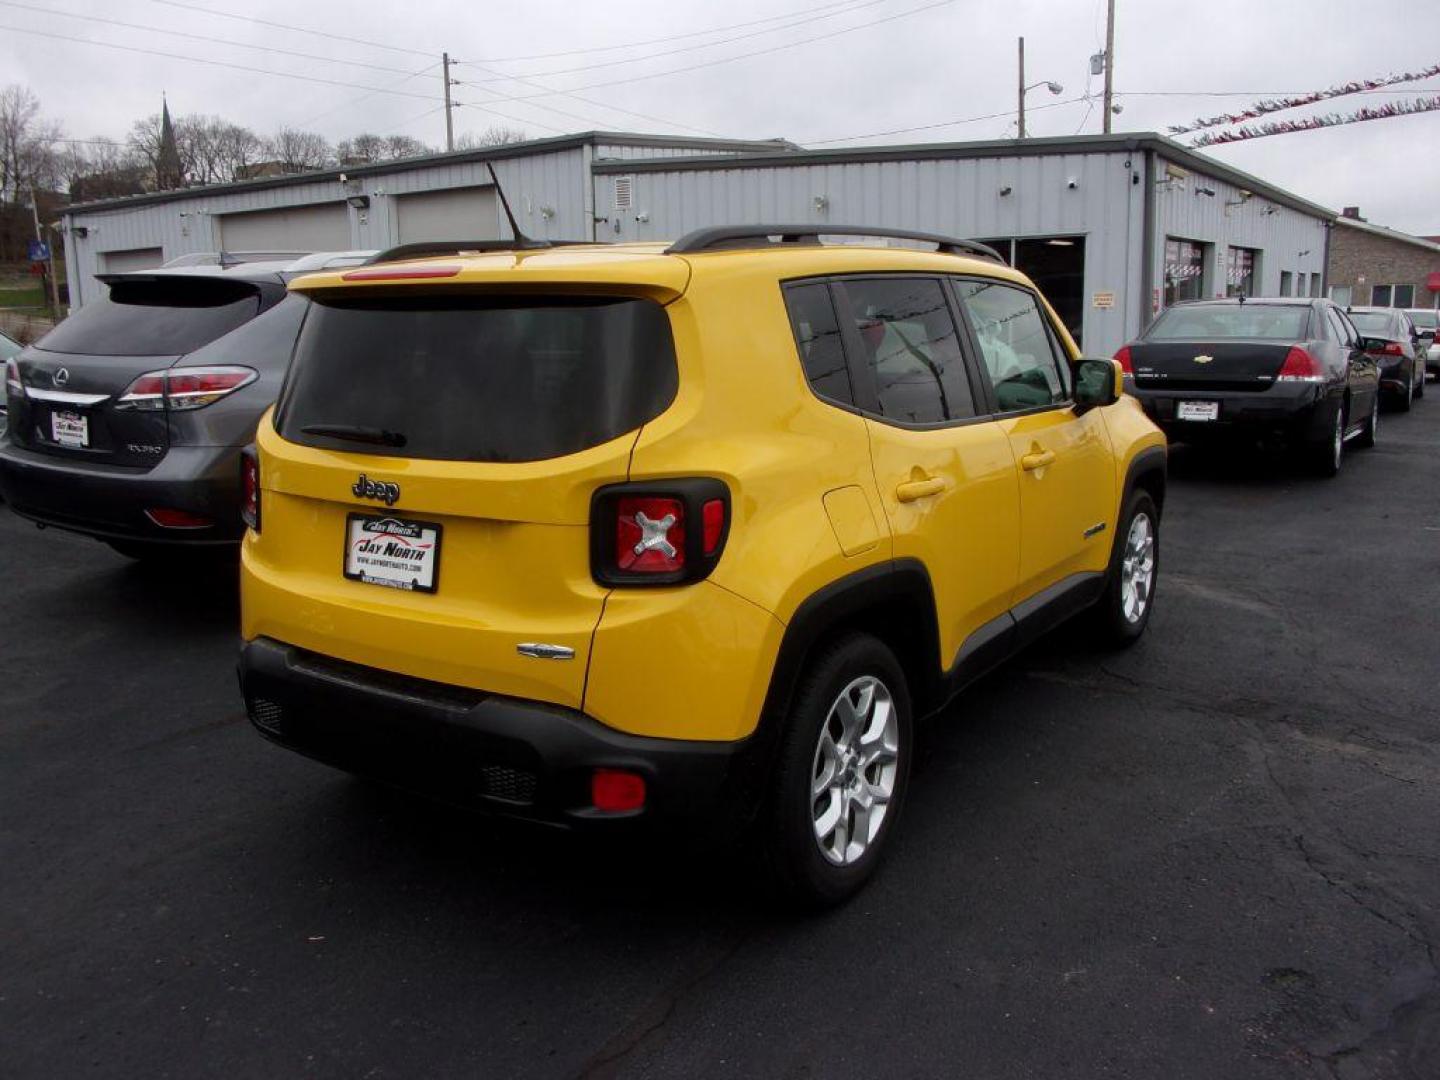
{"x": 1203, "y": 359}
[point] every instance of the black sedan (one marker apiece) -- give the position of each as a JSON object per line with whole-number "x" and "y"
{"x": 1398, "y": 348}
{"x": 1288, "y": 370}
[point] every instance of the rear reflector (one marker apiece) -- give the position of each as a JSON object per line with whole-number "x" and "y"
{"x": 1300, "y": 366}
{"x": 616, "y": 791}
{"x": 167, "y": 518}
{"x": 713, "y": 515}
{"x": 381, "y": 273}
{"x": 1123, "y": 359}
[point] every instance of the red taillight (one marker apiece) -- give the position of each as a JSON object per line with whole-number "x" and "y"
{"x": 180, "y": 389}
{"x": 650, "y": 535}
{"x": 713, "y": 516}
{"x": 616, "y": 791}
{"x": 382, "y": 273}
{"x": 1300, "y": 366}
{"x": 1123, "y": 359}
{"x": 12, "y": 378}
{"x": 250, "y": 488}
{"x": 168, "y": 518}
{"x": 658, "y": 532}
{"x": 1392, "y": 348}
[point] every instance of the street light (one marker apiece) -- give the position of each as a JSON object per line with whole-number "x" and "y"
{"x": 1053, "y": 87}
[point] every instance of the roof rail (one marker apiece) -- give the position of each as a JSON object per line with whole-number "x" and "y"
{"x": 721, "y": 237}
{"x": 427, "y": 248}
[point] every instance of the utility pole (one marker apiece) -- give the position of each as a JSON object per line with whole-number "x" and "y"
{"x": 449, "y": 108}
{"x": 1022, "y": 87}
{"x": 1109, "y": 63}
{"x": 40, "y": 239}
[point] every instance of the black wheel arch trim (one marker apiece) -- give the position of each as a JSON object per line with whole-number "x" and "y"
{"x": 1149, "y": 464}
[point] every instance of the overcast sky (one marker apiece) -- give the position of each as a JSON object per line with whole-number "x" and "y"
{"x": 928, "y": 62}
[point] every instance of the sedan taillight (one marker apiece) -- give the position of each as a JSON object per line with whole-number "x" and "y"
{"x": 181, "y": 389}
{"x": 1300, "y": 366}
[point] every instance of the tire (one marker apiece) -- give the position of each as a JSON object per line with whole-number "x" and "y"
{"x": 1366, "y": 438}
{"x": 1402, "y": 401}
{"x": 1326, "y": 455}
{"x": 793, "y": 820}
{"x": 1420, "y": 385}
{"x": 1123, "y": 610}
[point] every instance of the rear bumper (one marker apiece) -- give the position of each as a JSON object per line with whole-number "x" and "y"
{"x": 109, "y": 501}
{"x": 519, "y": 758}
{"x": 1291, "y": 412}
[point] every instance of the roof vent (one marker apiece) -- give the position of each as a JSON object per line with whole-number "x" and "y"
{"x": 623, "y": 192}
{"x": 1352, "y": 212}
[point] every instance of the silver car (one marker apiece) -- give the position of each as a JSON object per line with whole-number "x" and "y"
{"x": 1427, "y": 320}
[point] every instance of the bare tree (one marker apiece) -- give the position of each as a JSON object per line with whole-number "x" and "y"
{"x": 101, "y": 168}
{"x": 27, "y": 145}
{"x": 491, "y": 136}
{"x": 365, "y": 147}
{"x": 403, "y": 146}
{"x": 298, "y": 150}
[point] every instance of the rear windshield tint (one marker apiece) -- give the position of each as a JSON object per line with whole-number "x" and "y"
{"x": 1203, "y": 322}
{"x": 473, "y": 378}
{"x": 1425, "y": 320}
{"x": 155, "y": 318}
{"x": 1377, "y": 322}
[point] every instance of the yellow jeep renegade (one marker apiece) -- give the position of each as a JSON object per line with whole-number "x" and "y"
{"x": 590, "y": 533}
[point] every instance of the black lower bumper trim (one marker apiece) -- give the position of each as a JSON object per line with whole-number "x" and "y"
{"x": 523, "y": 758}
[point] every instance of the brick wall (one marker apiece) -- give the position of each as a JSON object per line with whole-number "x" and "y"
{"x": 1379, "y": 260}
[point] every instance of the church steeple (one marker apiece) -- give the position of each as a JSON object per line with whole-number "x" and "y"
{"x": 168, "y": 172}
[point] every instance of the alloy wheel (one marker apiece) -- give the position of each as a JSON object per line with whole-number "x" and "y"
{"x": 854, "y": 770}
{"x": 1137, "y": 569}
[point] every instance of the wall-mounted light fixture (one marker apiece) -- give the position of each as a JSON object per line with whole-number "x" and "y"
{"x": 547, "y": 212}
{"x": 821, "y": 203}
{"x": 1270, "y": 210}
{"x": 80, "y": 232}
{"x": 359, "y": 202}
{"x": 1005, "y": 190}
{"x": 1205, "y": 191}
{"x": 1302, "y": 254}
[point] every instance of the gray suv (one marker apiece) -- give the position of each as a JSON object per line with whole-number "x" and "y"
{"x": 126, "y": 421}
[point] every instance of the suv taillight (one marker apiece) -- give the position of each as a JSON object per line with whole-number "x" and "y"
{"x": 179, "y": 389}
{"x": 12, "y": 378}
{"x": 662, "y": 532}
{"x": 250, "y": 487}
{"x": 1123, "y": 359}
{"x": 1299, "y": 366}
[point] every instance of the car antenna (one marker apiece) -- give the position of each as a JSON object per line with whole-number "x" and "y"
{"x": 521, "y": 240}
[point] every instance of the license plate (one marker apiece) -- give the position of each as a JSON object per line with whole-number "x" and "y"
{"x": 392, "y": 552}
{"x": 1197, "y": 410}
{"x": 70, "y": 428}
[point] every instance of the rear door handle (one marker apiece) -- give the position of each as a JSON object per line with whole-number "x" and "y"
{"x": 1030, "y": 462}
{"x": 919, "y": 489}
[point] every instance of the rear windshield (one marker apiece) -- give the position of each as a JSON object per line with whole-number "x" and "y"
{"x": 155, "y": 318}
{"x": 1424, "y": 319}
{"x": 8, "y": 348}
{"x": 1252, "y": 321}
{"x": 1380, "y": 322}
{"x": 475, "y": 378}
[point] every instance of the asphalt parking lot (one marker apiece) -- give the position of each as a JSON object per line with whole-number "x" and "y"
{"x": 1215, "y": 855}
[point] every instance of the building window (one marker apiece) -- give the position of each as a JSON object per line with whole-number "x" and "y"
{"x": 1340, "y": 294}
{"x": 1184, "y": 271}
{"x": 1380, "y": 296}
{"x": 1301, "y": 280}
{"x": 1403, "y": 295}
{"x": 1287, "y": 283}
{"x": 1315, "y": 285}
{"x": 1240, "y": 272}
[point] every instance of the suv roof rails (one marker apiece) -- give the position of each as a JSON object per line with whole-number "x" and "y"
{"x": 721, "y": 237}
{"x": 426, "y": 248}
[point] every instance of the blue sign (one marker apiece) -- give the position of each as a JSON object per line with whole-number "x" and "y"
{"x": 39, "y": 251}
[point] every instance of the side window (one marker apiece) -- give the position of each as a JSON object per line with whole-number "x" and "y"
{"x": 1333, "y": 324}
{"x": 1019, "y": 351}
{"x": 1348, "y": 334}
{"x": 817, "y": 336}
{"x": 911, "y": 347}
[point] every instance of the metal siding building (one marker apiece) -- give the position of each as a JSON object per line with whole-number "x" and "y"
{"x": 1090, "y": 217}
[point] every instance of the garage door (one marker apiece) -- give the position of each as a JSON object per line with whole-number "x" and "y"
{"x": 298, "y": 228}
{"x": 457, "y": 214}
{"x": 120, "y": 262}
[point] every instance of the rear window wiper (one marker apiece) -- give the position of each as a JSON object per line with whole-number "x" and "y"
{"x": 357, "y": 433}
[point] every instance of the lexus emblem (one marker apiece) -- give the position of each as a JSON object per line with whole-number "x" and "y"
{"x": 61, "y": 377}
{"x": 1202, "y": 359}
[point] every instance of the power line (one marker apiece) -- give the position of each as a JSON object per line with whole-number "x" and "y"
{"x": 690, "y": 48}
{"x": 740, "y": 56}
{"x": 351, "y": 102}
{"x": 507, "y": 116}
{"x": 217, "y": 63}
{"x": 285, "y": 26}
{"x": 671, "y": 37}
{"x": 942, "y": 124}
{"x": 194, "y": 37}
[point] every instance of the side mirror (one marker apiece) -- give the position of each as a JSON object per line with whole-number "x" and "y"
{"x": 1098, "y": 383}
